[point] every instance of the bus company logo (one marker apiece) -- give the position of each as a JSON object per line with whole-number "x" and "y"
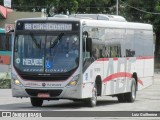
{"x": 43, "y": 84}
{"x": 18, "y": 60}
{"x": 6, "y": 114}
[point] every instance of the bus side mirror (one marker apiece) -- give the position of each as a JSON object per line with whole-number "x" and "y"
{"x": 88, "y": 44}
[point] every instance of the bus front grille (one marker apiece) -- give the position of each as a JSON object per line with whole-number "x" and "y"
{"x": 45, "y": 78}
{"x": 52, "y": 93}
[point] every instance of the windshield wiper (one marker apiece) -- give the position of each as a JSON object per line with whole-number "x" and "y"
{"x": 56, "y": 41}
{"x": 35, "y": 41}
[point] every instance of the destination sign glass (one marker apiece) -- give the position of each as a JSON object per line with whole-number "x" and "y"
{"x": 48, "y": 26}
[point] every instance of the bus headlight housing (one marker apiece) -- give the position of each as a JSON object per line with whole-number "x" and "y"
{"x": 16, "y": 81}
{"x": 74, "y": 81}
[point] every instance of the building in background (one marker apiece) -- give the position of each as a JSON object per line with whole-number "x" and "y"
{"x": 8, "y": 16}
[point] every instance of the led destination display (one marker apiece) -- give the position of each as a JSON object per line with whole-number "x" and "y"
{"x": 48, "y": 26}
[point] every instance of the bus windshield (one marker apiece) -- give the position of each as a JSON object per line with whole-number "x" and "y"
{"x": 46, "y": 53}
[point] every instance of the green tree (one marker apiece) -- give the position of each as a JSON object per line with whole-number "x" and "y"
{"x": 95, "y": 6}
{"x": 147, "y": 11}
{"x": 156, "y": 22}
{"x": 28, "y": 5}
{"x": 64, "y": 6}
{"x": 1, "y": 2}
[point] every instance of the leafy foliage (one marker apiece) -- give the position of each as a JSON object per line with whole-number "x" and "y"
{"x": 132, "y": 10}
{"x": 147, "y": 11}
{"x": 64, "y": 6}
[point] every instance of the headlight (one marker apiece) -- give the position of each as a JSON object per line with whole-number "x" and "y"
{"x": 16, "y": 81}
{"x": 74, "y": 81}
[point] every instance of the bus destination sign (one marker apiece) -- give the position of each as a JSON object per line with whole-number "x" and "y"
{"x": 48, "y": 26}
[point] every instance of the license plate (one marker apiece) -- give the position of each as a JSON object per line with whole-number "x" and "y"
{"x": 43, "y": 95}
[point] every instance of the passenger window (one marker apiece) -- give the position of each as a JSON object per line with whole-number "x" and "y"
{"x": 4, "y": 43}
{"x": 115, "y": 51}
{"x": 130, "y": 53}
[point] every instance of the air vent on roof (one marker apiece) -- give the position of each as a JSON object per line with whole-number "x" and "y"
{"x": 100, "y": 17}
{"x": 60, "y": 16}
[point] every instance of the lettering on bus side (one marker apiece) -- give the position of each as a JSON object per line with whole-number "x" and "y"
{"x": 121, "y": 83}
{"x": 131, "y": 63}
{"x": 117, "y": 85}
{"x": 110, "y": 69}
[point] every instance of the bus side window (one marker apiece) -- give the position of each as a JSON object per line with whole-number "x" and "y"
{"x": 119, "y": 51}
{"x": 101, "y": 53}
{"x": 107, "y": 52}
{"x": 2, "y": 42}
{"x": 95, "y": 51}
{"x": 5, "y": 42}
{"x": 115, "y": 51}
{"x": 1, "y": 47}
{"x": 130, "y": 53}
{"x": 8, "y": 42}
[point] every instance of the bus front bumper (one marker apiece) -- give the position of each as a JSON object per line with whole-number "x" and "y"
{"x": 54, "y": 93}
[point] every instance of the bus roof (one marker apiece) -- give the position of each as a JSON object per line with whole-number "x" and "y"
{"x": 119, "y": 25}
{"x": 95, "y": 23}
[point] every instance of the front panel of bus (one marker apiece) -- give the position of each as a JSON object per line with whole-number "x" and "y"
{"x": 46, "y": 59}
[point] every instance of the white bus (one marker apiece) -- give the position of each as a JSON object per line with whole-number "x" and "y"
{"x": 81, "y": 58}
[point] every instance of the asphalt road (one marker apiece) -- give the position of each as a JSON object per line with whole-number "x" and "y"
{"x": 147, "y": 100}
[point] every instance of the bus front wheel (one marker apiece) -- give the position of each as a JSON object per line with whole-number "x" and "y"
{"x": 36, "y": 102}
{"x": 91, "y": 102}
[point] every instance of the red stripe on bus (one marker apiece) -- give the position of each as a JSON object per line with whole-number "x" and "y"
{"x": 127, "y": 58}
{"x": 120, "y": 74}
{"x": 106, "y": 59}
{"x": 145, "y": 57}
{"x": 103, "y": 59}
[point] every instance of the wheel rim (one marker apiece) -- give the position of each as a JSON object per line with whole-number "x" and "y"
{"x": 94, "y": 96}
{"x": 133, "y": 91}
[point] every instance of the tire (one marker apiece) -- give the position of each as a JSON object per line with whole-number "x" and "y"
{"x": 131, "y": 96}
{"x": 121, "y": 98}
{"x": 36, "y": 102}
{"x": 91, "y": 102}
{"x": 76, "y": 100}
{"x": 128, "y": 97}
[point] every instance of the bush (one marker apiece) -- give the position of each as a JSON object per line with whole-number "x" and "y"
{"x": 5, "y": 83}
